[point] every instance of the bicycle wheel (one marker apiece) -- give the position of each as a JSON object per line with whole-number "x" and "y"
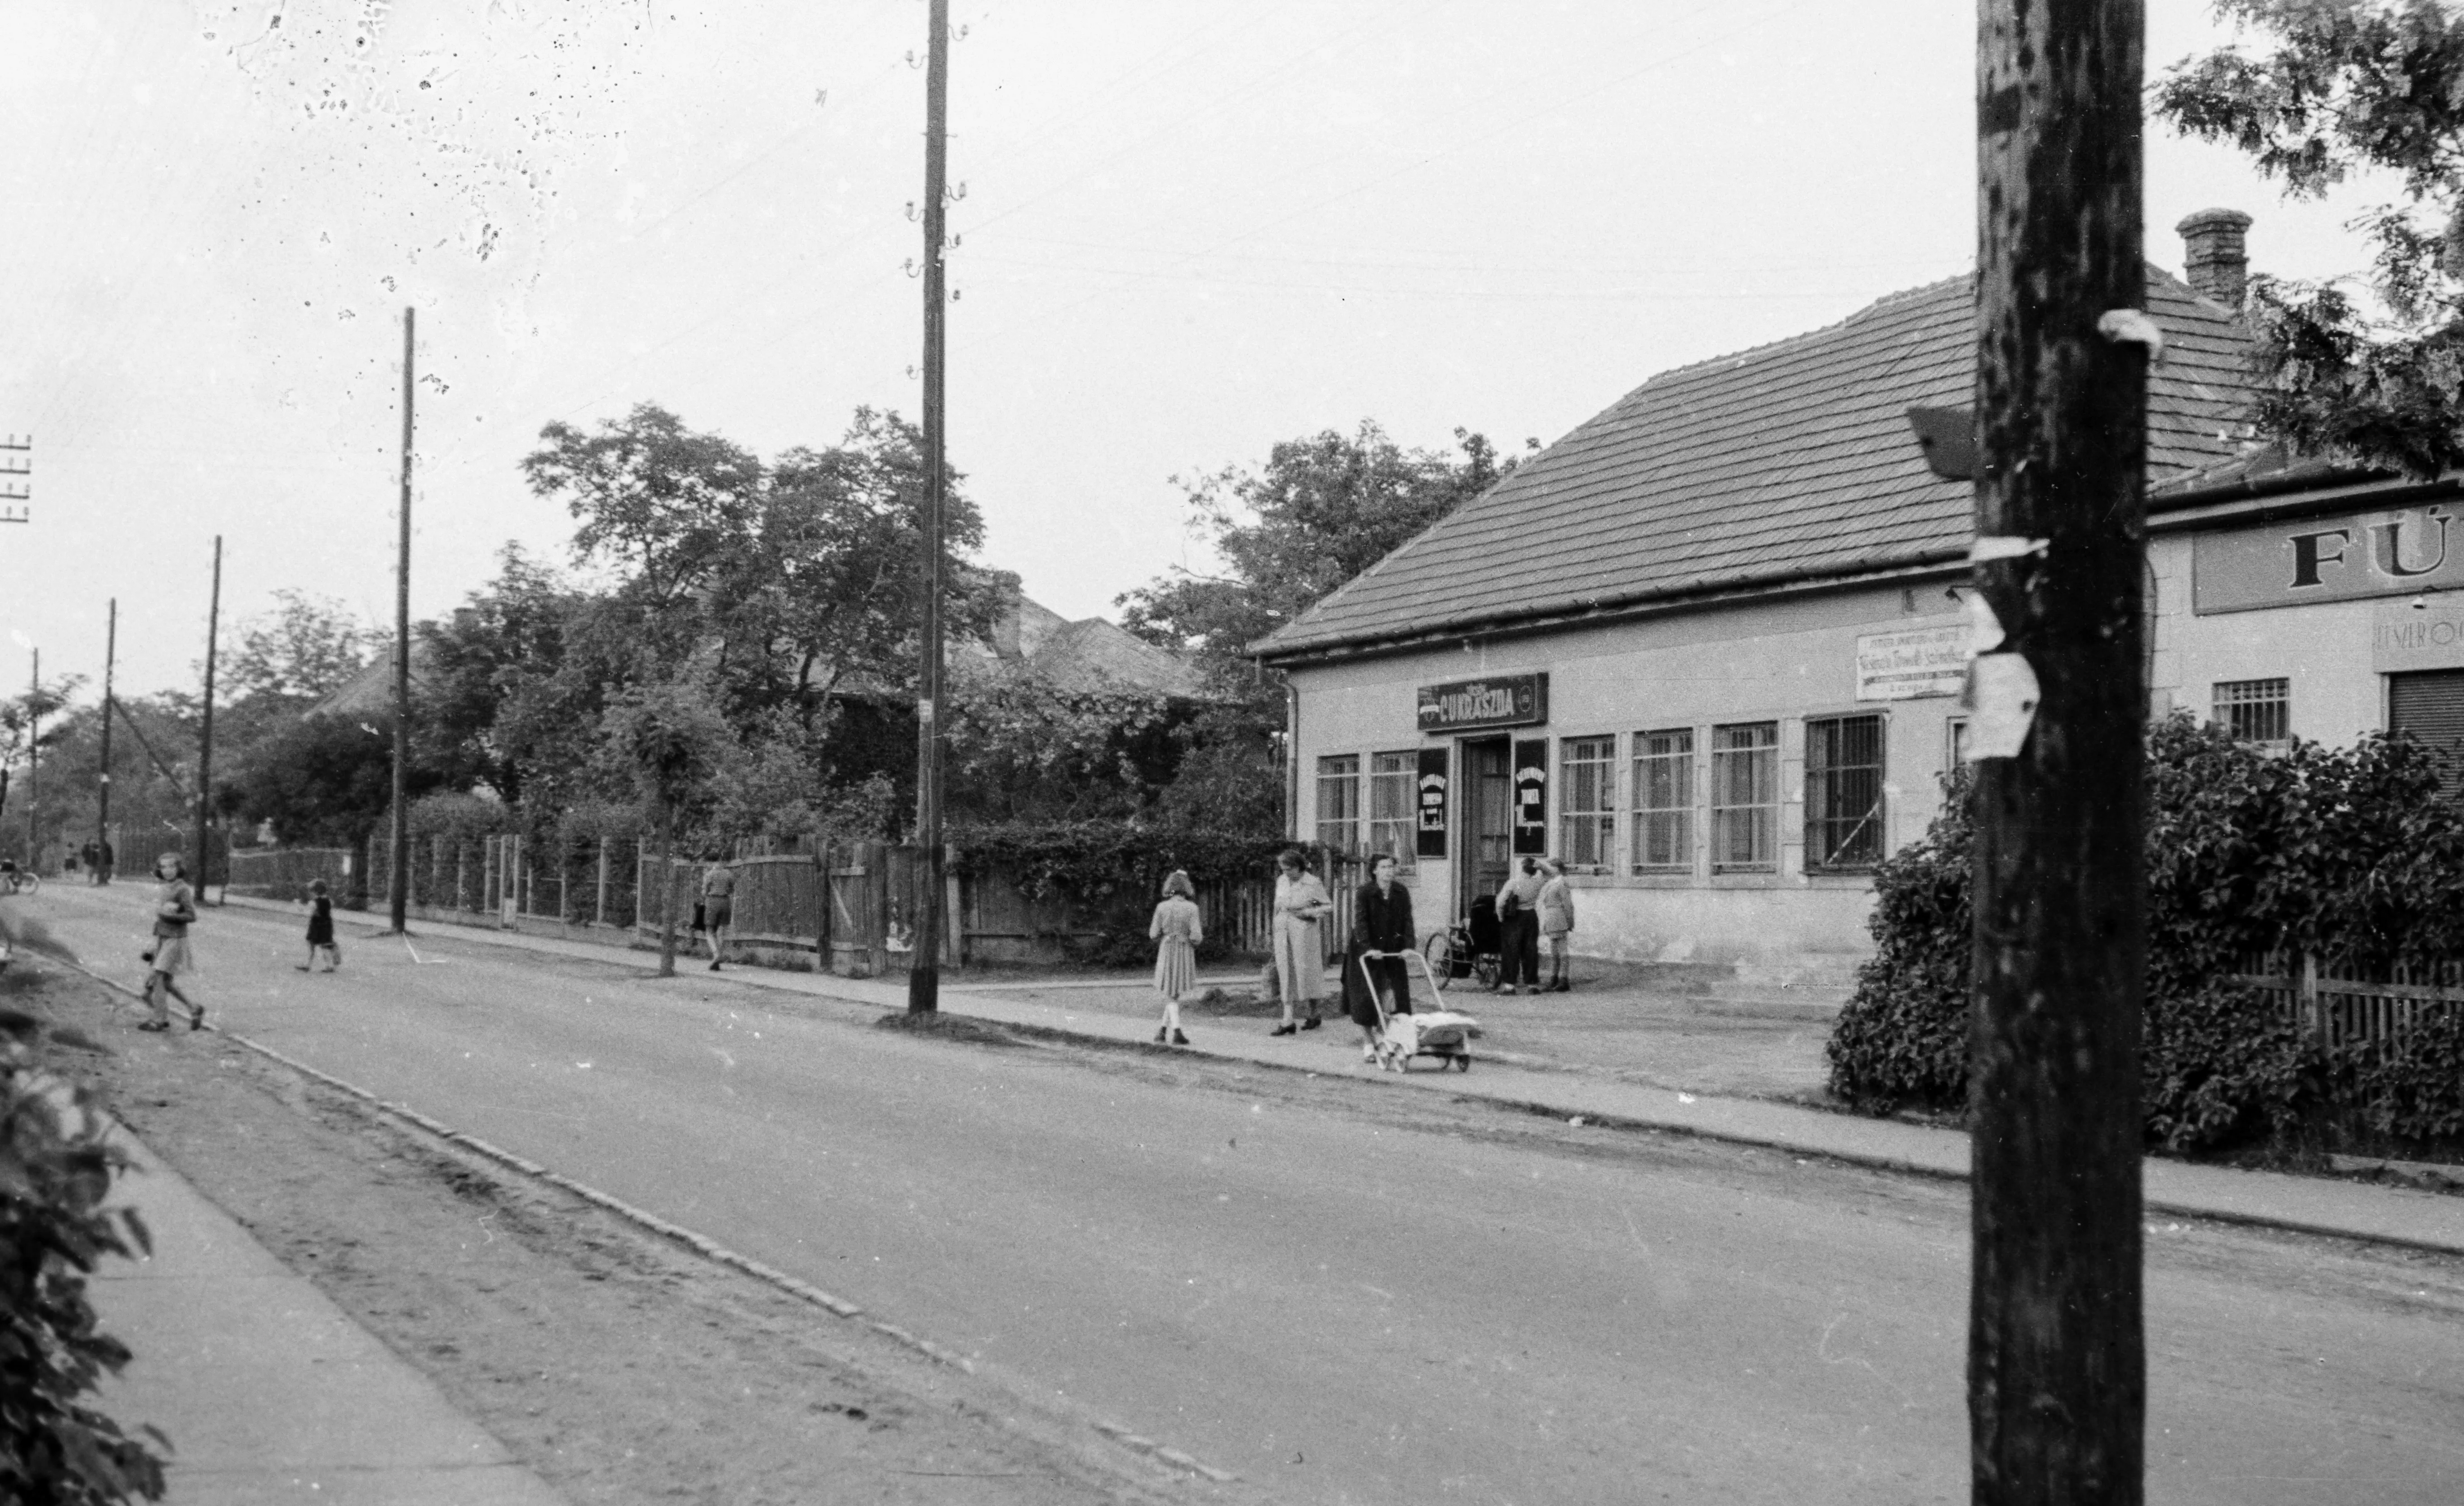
{"x": 1439, "y": 951}
{"x": 29, "y": 882}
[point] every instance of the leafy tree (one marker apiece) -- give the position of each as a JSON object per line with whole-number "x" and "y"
{"x": 505, "y": 637}
{"x": 655, "y": 500}
{"x": 1022, "y": 747}
{"x": 2341, "y": 88}
{"x": 324, "y": 780}
{"x": 25, "y": 739}
{"x": 670, "y": 739}
{"x": 304, "y": 650}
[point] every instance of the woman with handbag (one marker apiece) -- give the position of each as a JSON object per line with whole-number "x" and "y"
{"x": 1300, "y": 959}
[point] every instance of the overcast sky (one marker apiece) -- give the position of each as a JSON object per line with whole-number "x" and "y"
{"x": 1192, "y": 228}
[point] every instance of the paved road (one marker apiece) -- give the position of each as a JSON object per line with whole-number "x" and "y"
{"x": 1339, "y": 1296}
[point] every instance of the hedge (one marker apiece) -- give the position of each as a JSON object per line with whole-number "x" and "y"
{"x": 2351, "y": 855}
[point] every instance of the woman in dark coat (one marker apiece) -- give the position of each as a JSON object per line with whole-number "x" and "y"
{"x": 1382, "y": 921}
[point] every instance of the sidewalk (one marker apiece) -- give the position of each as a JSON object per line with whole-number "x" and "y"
{"x": 268, "y": 1392}
{"x": 2400, "y": 1216}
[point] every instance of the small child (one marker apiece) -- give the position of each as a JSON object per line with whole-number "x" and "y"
{"x": 320, "y": 929}
{"x": 1177, "y": 931}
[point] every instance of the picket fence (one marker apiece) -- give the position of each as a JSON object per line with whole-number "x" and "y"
{"x": 849, "y": 907}
{"x": 2345, "y": 1009}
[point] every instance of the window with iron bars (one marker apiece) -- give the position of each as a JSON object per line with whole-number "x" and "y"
{"x": 1663, "y": 802}
{"x": 1394, "y": 777}
{"x": 1843, "y": 792}
{"x": 1745, "y": 798}
{"x": 1587, "y": 803}
{"x": 1339, "y": 802}
{"x": 2256, "y": 710}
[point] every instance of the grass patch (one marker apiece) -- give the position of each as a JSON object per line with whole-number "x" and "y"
{"x": 945, "y": 1026}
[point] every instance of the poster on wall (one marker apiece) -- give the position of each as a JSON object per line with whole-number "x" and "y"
{"x": 1430, "y": 838}
{"x": 1531, "y": 797}
{"x": 1915, "y": 662}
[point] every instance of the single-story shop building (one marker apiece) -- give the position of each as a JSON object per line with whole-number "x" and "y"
{"x": 1707, "y": 648}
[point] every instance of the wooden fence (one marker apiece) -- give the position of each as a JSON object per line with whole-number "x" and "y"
{"x": 850, "y": 907}
{"x": 2346, "y": 1009}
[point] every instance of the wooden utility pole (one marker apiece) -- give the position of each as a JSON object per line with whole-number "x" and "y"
{"x": 102, "y": 784}
{"x": 398, "y": 884}
{"x": 924, "y": 970}
{"x": 2057, "y": 1368}
{"x": 206, "y": 736}
{"x": 35, "y": 766}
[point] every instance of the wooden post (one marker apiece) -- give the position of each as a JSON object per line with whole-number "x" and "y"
{"x": 600, "y": 915}
{"x": 666, "y": 881}
{"x": 924, "y": 970}
{"x": 205, "y": 740}
{"x": 821, "y": 906}
{"x": 461, "y": 875}
{"x": 102, "y": 786}
{"x": 397, "y": 847}
{"x": 2056, "y": 1367}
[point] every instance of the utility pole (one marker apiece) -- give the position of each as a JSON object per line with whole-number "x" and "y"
{"x": 924, "y": 970}
{"x": 398, "y": 884}
{"x": 205, "y": 738}
{"x": 35, "y": 766}
{"x": 2056, "y": 1367}
{"x": 102, "y": 784}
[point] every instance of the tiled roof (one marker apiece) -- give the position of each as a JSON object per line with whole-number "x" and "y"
{"x": 1784, "y": 461}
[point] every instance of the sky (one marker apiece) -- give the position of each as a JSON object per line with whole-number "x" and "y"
{"x": 1189, "y": 229}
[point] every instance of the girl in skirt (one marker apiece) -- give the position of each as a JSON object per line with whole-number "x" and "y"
{"x": 320, "y": 929}
{"x": 1177, "y": 932}
{"x": 175, "y": 907}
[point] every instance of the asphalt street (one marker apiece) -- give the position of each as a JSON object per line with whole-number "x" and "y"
{"x": 1314, "y": 1291}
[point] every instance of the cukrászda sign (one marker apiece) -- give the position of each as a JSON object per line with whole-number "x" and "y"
{"x": 1514, "y": 700}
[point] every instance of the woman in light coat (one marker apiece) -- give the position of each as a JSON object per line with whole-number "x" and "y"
{"x": 1556, "y": 923}
{"x": 1300, "y": 960}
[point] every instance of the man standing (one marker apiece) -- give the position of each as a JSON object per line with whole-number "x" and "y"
{"x": 1518, "y": 926}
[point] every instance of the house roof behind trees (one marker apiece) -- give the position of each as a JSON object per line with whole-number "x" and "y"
{"x": 1783, "y": 462}
{"x": 370, "y": 693}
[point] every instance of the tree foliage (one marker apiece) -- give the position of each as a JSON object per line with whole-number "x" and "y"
{"x": 2345, "y": 88}
{"x": 306, "y": 649}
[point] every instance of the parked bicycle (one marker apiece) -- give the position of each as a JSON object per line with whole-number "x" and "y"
{"x": 14, "y": 880}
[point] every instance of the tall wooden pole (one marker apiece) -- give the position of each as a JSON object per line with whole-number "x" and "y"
{"x": 206, "y": 736}
{"x": 102, "y": 784}
{"x": 2057, "y": 1366}
{"x": 34, "y": 766}
{"x": 398, "y": 884}
{"x": 924, "y": 973}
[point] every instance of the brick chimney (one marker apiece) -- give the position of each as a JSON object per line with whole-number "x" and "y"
{"x": 2214, "y": 262}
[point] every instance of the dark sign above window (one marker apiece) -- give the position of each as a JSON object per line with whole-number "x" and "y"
{"x": 1513, "y": 700}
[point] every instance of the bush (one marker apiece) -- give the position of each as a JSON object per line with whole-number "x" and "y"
{"x": 55, "y": 1169}
{"x": 2351, "y": 855}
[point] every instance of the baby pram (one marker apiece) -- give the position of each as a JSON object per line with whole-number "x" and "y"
{"x": 1401, "y": 1036}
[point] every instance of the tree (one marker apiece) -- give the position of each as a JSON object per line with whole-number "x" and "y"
{"x": 505, "y": 636}
{"x": 322, "y": 779}
{"x": 304, "y": 650}
{"x": 2345, "y": 88}
{"x": 23, "y": 736}
{"x": 1022, "y": 747}
{"x": 668, "y": 738}
{"x": 657, "y": 501}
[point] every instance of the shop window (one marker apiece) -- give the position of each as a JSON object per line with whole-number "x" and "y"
{"x": 1745, "y": 798}
{"x": 1338, "y": 803}
{"x": 1843, "y": 792}
{"x": 1394, "y": 777}
{"x": 2256, "y": 710}
{"x": 1663, "y": 802}
{"x": 1587, "y": 803}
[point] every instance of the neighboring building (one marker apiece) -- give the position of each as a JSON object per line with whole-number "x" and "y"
{"x": 369, "y": 690}
{"x": 1708, "y": 647}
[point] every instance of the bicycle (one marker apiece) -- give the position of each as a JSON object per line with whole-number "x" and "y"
{"x": 20, "y": 881}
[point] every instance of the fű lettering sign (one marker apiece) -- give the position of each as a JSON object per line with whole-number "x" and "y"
{"x": 2328, "y": 559}
{"x": 1519, "y": 700}
{"x": 1430, "y": 840}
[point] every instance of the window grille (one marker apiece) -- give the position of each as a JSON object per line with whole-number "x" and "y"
{"x": 2256, "y": 710}
{"x": 1339, "y": 802}
{"x": 1745, "y": 798}
{"x": 1843, "y": 792}
{"x": 1587, "y": 803}
{"x": 1394, "y": 779}
{"x": 1663, "y": 802}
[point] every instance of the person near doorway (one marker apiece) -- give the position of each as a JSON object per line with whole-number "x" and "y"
{"x": 1300, "y": 960}
{"x": 1556, "y": 923}
{"x": 1176, "y": 931}
{"x": 1381, "y": 931}
{"x": 1518, "y": 924}
{"x": 175, "y": 909}
{"x": 717, "y": 905}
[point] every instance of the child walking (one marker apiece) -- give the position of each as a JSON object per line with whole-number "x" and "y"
{"x": 1556, "y": 924}
{"x": 320, "y": 929}
{"x": 1176, "y": 932}
{"x": 175, "y": 909}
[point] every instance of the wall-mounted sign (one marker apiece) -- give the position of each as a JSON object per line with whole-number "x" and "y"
{"x": 1531, "y": 797}
{"x": 2328, "y": 559}
{"x": 1918, "y": 662}
{"x": 1513, "y": 700}
{"x": 1430, "y": 839}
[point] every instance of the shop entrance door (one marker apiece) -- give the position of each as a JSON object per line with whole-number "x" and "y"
{"x": 1488, "y": 818}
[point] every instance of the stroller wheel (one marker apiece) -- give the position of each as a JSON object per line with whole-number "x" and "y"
{"x": 1463, "y": 1062}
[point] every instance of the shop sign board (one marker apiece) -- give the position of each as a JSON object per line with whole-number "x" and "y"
{"x": 1430, "y": 839}
{"x": 2360, "y": 554}
{"x": 1512, "y": 700}
{"x": 1531, "y": 797}
{"x": 2419, "y": 634}
{"x": 1915, "y": 662}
